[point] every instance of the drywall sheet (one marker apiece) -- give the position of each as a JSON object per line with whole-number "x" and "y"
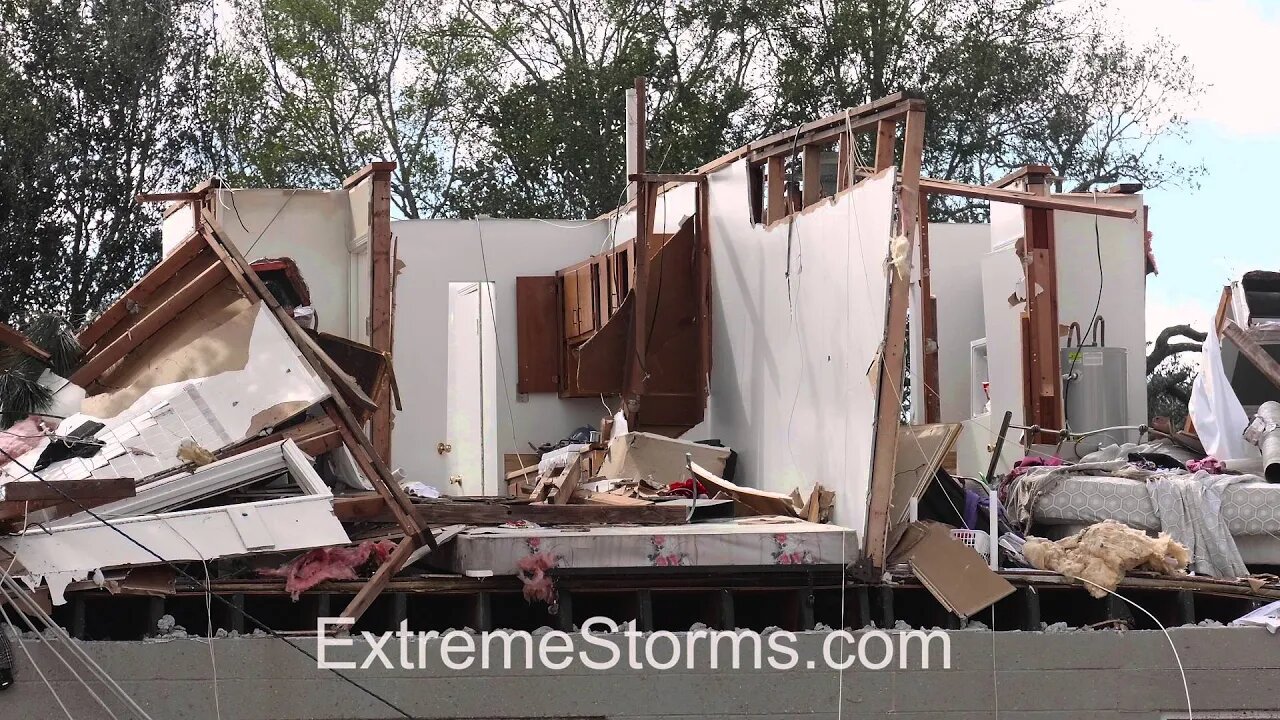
{"x": 797, "y": 319}
{"x": 1004, "y": 299}
{"x": 314, "y": 227}
{"x": 142, "y": 437}
{"x": 955, "y": 261}
{"x": 436, "y": 253}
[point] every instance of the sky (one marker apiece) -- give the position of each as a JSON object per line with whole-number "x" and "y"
{"x": 1205, "y": 237}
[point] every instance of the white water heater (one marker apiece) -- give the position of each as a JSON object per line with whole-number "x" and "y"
{"x": 1096, "y": 392}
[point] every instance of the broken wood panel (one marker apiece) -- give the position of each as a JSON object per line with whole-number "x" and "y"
{"x": 140, "y": 294}
{"x": 150, "y": 324}
{"x": 365, "y": 364}
{"x": 60, "y": 490}
{"x": 538, "y": 340}
{"x": 371, "y": 508}
{"x": 1255, "y": 353}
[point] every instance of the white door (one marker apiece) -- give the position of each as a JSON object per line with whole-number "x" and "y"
{"x": 470, "y": 451}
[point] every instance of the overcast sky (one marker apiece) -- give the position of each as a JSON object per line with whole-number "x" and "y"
{"x": 1205, "y": 237}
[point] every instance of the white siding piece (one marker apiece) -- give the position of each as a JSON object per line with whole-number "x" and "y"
{"x": 180, "y": 490}
{"x": 61, "y": 554}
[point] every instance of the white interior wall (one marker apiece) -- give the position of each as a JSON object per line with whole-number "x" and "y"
{"x": 437, "y": 252}
{"x": 956, "y": 251}
{"x": 789, "y": 386}
{"x": 314, "y": 227}
{"x": 1124, "y": 297}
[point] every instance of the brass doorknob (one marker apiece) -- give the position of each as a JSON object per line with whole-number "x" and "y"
{"x": 443, "y": 448}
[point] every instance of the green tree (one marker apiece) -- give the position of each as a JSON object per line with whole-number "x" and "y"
{"x": 550, "y": 141}
{"x": 100, "y": 94}
{"x": 307, "y": 91}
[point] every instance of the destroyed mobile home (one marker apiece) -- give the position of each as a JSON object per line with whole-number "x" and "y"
{"x": 306, "y": 401}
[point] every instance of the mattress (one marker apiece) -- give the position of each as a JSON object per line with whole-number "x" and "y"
{"x": 1251, "y": 509}
{"x": 750, "y": 542}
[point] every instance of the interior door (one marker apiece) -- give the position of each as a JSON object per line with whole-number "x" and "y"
{"x": 470, "y": 451}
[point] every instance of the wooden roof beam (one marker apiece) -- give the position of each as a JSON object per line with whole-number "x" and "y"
{"x": 1016, "y": 197}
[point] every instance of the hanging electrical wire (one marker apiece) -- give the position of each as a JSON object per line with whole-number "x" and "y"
{"x": 193, "y": 580}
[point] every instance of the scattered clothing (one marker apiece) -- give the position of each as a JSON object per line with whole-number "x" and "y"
{"x": 1211, "y": 465}
{"x": 1190, "y": 510}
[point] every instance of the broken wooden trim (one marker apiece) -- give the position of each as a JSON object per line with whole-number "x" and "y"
{"x": 58, "y": 490}
{"x": 1033, "y": 173}
{"x": 1017, "y": 197}
{"x": 142, "y": 198}
{"x": 376, "y": 166}
{"x": 665, "y": 178}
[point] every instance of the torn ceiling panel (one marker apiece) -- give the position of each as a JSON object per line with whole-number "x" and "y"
{"x": 243, "y": 398}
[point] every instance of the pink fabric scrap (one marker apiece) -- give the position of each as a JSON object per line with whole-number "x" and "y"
{"x": 328, "y": 563}
{"x": 1211, "y": 465}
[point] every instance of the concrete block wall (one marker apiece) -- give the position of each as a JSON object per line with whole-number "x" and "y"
{"x": 1038, "y": 676}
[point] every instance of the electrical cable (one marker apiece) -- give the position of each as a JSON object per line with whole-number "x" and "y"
{"x": 75, "y": 650}
{"x": 192, "y": 579}
{"x": 4, "y": 594}
{"x": 1068, "y": 378}
{"x": 17, "y": 634}
{"x": 502, "y": 367}
{"x": 267, "y": 227}
{"x": 1186, "y": 689}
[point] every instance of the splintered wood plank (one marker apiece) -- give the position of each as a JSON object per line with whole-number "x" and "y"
{"x": 889, "y": 398}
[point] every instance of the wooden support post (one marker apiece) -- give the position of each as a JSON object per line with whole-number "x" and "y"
{"x": 381, "y": 319}
{"x": 702, "y": 209}
{"x": 844, "y": 161}
{"x": 886, "y": 132}
{"x": 1043, "y": 368}
{"x": 928, "y": 323}
{"x": 776, "y": 195}
{"x": 812, "y": 165}
{"x": 889, "y": 392}
{"x": 634, "y": 376}
{"x": 381, "y": 578}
